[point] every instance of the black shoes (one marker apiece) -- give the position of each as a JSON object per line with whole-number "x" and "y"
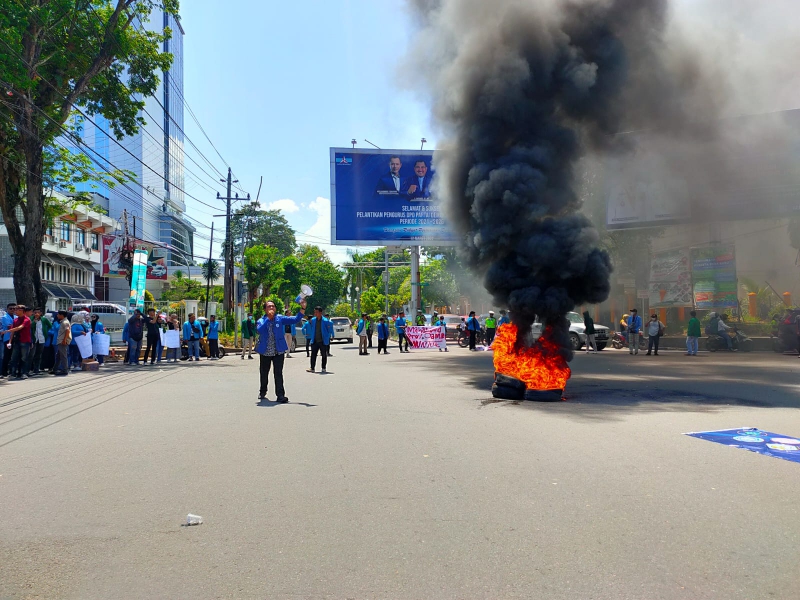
{"x": 282, "y": 400}
{"x": 262, "y": 396}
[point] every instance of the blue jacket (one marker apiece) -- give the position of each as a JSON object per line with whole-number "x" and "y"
{"x": 327, "y": 330}
{"x": 187, "y": 330}
{"x": 52, "y": 335}
{"x": 98, "y": 328}
{"x": 77, "y": 330}
{"x": 386, "y": 184}
{"x": 124, "y": 332}
{"x": 7, "y": 322}
{"x": 503, "y": 320}
{"x": 383, "y": 331}
{"x": 213, "y": 330}
{"x": 400, "y": 325}
{"x": 423, "y": 192}
{"x": 473, "y": 324}
{"x": 277, "y": 324}
{"x": 361, "y": 327}
{"x": 306, "y": 330}
{"x": 635, "y": 324}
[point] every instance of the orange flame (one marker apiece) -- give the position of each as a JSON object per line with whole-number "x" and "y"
{"x": 540, "y": 367}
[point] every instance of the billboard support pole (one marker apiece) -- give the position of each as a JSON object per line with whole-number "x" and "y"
{"x": 414, "y": 283}
{"x": 386, "y": 283}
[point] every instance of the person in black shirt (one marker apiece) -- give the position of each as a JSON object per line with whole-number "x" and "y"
{"x": 153, "y": 325}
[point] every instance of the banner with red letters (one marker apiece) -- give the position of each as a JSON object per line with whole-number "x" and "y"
{"x": 426, "y": 337}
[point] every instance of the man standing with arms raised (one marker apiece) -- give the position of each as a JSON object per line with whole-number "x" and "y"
{"x": 272, "y": 348}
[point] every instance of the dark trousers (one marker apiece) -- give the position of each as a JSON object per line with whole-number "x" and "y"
{"x": 7, "y": 359}
{"x": 316, "y": 348}
{"x": 49, "y": 357}
{"x": 308, "y": 347}
{"x": 61, "y": 360}
{"x": 151, "y": 343}
{"x": 472, "y": 336}
{"x": 652, "y": 343}
{"x": 490, "y": 336}
{"x": 19, "y": 359}
{"x": 213, "y": 346}
{"x": 401, "y": 337}
{"x": 369, "y": 338}
{"x": 382, "y": 346}
{"x": 266, "y": 363}
{"x": 328, "y": 350}
{"x": 35, "y": 357}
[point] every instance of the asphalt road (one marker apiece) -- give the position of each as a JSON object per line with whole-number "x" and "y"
{"x": 399, "y": 477}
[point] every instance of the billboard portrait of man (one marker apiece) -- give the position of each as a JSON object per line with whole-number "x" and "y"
{"x": 390, "y": 183}
{"x": 418, "y": 185}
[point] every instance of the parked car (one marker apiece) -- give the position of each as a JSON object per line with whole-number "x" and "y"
{"x": 577, "y": 332}
{"x": 113, "y": 316}
{"x": 342, "y": 332}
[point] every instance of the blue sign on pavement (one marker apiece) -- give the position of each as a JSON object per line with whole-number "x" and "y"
{"x": 755, "y": 440}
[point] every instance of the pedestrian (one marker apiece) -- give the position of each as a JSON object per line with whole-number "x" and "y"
{"x": 213, "y": 338}
{"x": 20, "y": 332}
{"x": 306, "y": 329}
{"x": 634, "y": 328}
{"x": 473, "y": 327}
{"x": 172, "y": 324}
{"x": 443, "y": 326}
{"x": 655, "y": 329}
{"x": 192, "y": 334}
{"x": 97, "y": 329}
{"x": 272, "y": 348}
{"x": 590, "y": 332}
{"x": 693, "y": 334}
{"x": 491, "y": 328}
{"x": 248, "y": 335}
{"x": 383, "y": 335}
{"x": 400, "y": 327}
{"x": 135, "y": 335}
{"x": 328, "y": 347}
{"x": 40, "y": 331}
{"x": 50, "y": 349}
{"x": 321, "y": 332}
{"x": 290, "y": 334}
{"x": 77, "y": 330}
{"x": 152, "y": 323}
{"x": 63, "y": 339}
{"x": 504, "y": 319}
{"x": 370, "y": 331}
{"x": 361, "y": 332}
{"x": 6, "y": 323}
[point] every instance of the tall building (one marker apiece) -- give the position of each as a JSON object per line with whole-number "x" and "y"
{"x": 154, "y": 200}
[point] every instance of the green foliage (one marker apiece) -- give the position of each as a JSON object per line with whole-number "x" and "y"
{"x": 211, "y": 270}
{"x": 263, "y": 267}
{"x": 343, "y": 310}
{"x": 184, "y": 289}
{"x": 765, "y": 297}
{"x": 373, "y": 302}
{"x": 442, "y": 289}
{"x": 148, "y": 296}
{"x": 261, "y": 228}
{"x": 318, "y": 271}
{"x": 178, "y": 275}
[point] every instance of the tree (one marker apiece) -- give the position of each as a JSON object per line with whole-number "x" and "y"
{"x": 261, "y": 227}
{"x": 57, "y": 55}
{"x": 210, "y": 269}
{"x": 318, "y": 271}
{"x": 441, "y": 288}
{"x": 373, "y": 302}
{"x": 263, "y": 266}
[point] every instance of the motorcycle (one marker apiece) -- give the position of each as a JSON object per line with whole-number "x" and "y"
{"x": 740, "y": 342}
{"x": 463, "y": 338}
{"x": 620, "y": 340}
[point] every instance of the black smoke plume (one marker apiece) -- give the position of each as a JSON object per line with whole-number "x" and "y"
{"x": 521, "y": 89}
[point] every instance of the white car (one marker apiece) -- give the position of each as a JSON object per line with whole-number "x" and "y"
{"x": 577, "y": 332}
{"x": 158, "y": 271}
{"x": 342, "y": 329}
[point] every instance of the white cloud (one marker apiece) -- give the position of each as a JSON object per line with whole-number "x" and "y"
{"x": 285, "y": 204}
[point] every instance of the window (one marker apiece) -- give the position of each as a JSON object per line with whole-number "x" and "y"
{"x": 80, "y": 236}
{"x": 49, "y": 231}
{"x": 65, "y": 229}
{"x": 95, "y": 242}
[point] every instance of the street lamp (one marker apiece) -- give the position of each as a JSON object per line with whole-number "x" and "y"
{"x": 358, "y": 299}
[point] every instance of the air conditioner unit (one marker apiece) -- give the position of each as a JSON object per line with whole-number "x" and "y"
{"x": 78, "y": 246}
{"x": 88, "y": 250}
{"x": 62, "y": 243}
{"x": 48, "y": 238}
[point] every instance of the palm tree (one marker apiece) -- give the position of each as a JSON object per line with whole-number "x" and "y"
{"x": 763, "y": 296}
{"x": 210, "y": 270}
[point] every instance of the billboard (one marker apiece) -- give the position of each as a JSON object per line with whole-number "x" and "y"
{"x": 670, "y": 279}
{"x": 714, "y": 277}
{"x": 381, "y": 197}
{"x": 138, "y": 281}
{"x": 113, "y": 247}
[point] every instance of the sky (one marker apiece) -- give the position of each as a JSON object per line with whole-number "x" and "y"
{"x": 276, "y": 84}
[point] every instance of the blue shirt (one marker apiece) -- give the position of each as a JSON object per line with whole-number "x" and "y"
{"x": 634, "y": 324}
{"x": 7, "y": 322}
{"x": 52, "y": 335}
{"x": 213, "y": 330}
{"x": 383, "y": 331}
{"x": 473, "y": 324}
{"x": 400, "y": 325}
{"x": 77, "y": 330}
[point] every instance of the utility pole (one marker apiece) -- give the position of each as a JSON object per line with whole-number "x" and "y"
{"x": 208, "y": 281}
{"x": 228, "y": 279}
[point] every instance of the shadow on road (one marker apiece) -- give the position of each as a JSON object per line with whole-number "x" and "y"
{"x": 607, "y": 386}
{"x": 270, "y": 404}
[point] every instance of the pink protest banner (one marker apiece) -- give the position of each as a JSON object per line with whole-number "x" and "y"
{"x": 426, "y": 337}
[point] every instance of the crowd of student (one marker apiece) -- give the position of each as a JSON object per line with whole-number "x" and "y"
{"x": 149, "y": 327}
{"x": 34, "y": 344}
